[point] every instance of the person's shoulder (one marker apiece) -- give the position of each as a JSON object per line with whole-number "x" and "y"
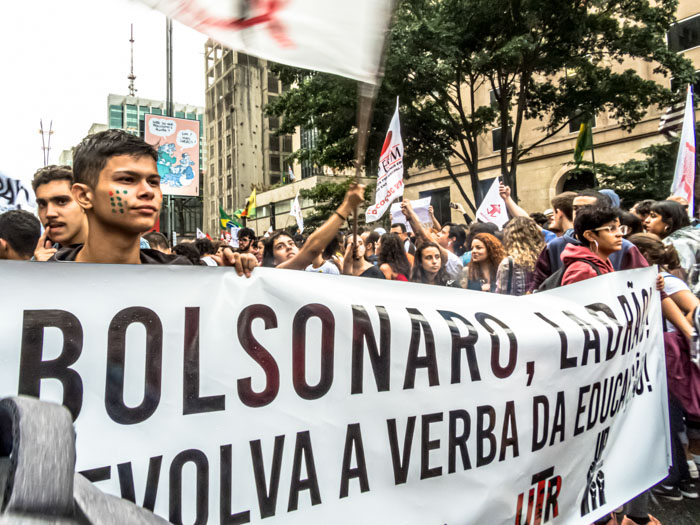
{"x": 151, "y": 256}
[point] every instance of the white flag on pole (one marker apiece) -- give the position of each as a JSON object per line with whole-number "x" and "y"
{"x": 296, "y": 213}
{"x": 344, "y": 38}
{"x": 200, "y": 234}
{"x": 390, "y": 177}
{"x": 684, "y": 176}
{"x": 493, "y": 207}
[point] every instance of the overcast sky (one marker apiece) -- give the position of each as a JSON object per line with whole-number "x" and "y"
{"x": 59, "y": 59}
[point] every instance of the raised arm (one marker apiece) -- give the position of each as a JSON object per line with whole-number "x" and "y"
{"x": 513, "y": 209}
{"x": 418, "y": 229}
{"x": 436, "y": 223}
{"x": 319, "y": 239}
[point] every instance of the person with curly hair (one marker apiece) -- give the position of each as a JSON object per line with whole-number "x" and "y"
{"x": 487, "y": 254}
{"x": 523, "y": 241}
{"x": 429, "y": 265}
{"x": 392, "y": 258}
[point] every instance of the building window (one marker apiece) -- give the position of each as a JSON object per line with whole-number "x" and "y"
{"x": 156, "y": 111}
{"x": 180, "y": 114}
{"x": 287, "y": 144}
{"x": 275, "y": 163}
{"x": 575, "y": 124}
{"x": 497, "y": 137}
{"x": 274, "y": 123}
{"x": 274, "y": 143}
{"x": 283, "y": 207}
{"x": 116, "y": 117}
{"x": 273, "y": 83}
{"x": 685, "y": 34}
{"x": 262, "y": 212}
{"x": 229, "y": 202}
{"x": 132, "y": 118}
{"x": 191, "y": 116}
{"x": 229, "y": 181}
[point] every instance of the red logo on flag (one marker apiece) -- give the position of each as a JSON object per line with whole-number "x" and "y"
{"x": 494, "y": 210}
{"x": 256, "y": 12}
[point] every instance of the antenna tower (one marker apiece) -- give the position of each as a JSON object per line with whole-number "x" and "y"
{"x": 46, "y": 140}
{"x": 132, "y": 77}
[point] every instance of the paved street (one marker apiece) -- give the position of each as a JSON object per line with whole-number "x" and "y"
{"x": 686, "y": 512}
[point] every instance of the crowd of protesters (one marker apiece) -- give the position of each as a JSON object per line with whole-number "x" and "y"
{"x": 104, "y": 208}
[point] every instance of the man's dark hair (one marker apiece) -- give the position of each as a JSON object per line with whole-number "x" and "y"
{"x": 644, "y": 207}
{"x": 205, "y": 247}
{"x": 459, "y": 237}
{"x": 479, "y": 227}
{"x": 632, "y": 221}
{"x": 399, "y": 225}
{"x": 540, "y": 218}
{"x": 189, "y": 251}
{"x": 21, "y": 230}
{"x": 157, "y": 240}
{"x": 590, "y": 218}
{"x": 673, "y": 214}
{"x": 565, "y": 202}
{"x": 248, "y": 233}
{"x": 92, "y": 154}
{"x": 372, "y": 239}
{"x": 52, "y": 173}
{"x": 602, "y": 200}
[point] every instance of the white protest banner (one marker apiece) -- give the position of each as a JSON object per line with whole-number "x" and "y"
{"x": 14, "y": 195}
{"x": 200, "y": 234}
{"x": 390, "y": 177}
{"x": 420, "y": 208}
{"x": 493, "y": 207}
{"x": 300, "y": 398}
{"x": 340, "y": 37}
{"x": 684, "y": 174}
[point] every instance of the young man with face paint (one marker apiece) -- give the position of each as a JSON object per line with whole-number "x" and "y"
{"x": 64, "y": 221}
{"x": 116, "y": 183}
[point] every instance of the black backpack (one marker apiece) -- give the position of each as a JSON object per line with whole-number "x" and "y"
{"x": 554, "y": 280}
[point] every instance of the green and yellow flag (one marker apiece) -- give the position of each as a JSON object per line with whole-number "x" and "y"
{"x": 249, "y": 210}
{"x": 583, "y": 142}
{"x": 227, "y": 221}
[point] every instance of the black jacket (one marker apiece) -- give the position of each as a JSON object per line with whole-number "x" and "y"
{"x": 148, "y": 256}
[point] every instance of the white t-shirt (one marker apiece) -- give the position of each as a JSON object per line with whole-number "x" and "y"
{"x": 327, "y": 267}
{"x": 672, "y": 284}
{"x": 454, "y": 265}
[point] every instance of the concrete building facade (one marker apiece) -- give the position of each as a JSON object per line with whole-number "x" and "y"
{"x": 243, "y": 150}
{"x": 545, "y": 171}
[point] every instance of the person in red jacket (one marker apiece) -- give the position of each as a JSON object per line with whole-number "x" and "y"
{"x": 599, "y": 231}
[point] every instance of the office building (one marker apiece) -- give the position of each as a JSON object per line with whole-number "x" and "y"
{"x": 129, "y": 113}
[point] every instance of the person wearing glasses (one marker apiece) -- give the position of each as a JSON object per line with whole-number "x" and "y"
{"x": 549, "y": 261}
{"x": 600, "y": 235}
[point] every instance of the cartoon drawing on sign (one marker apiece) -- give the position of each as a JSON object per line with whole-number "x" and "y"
{"x": 166, "y": 163}
{"x": 185, "y": 168}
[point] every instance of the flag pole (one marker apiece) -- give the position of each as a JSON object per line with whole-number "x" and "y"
{"x": 367, "y": 95}
{"x": 593, "y": 154}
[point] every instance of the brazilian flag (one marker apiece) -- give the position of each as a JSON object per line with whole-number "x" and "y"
{"x": 584, "y": 141}
{"x": 227, "y": 221}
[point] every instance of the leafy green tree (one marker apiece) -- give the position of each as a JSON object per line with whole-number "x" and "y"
{"x": 327, "y": 197}
{"x": 548, "y": 60}
{"x": 648, "y": 178}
